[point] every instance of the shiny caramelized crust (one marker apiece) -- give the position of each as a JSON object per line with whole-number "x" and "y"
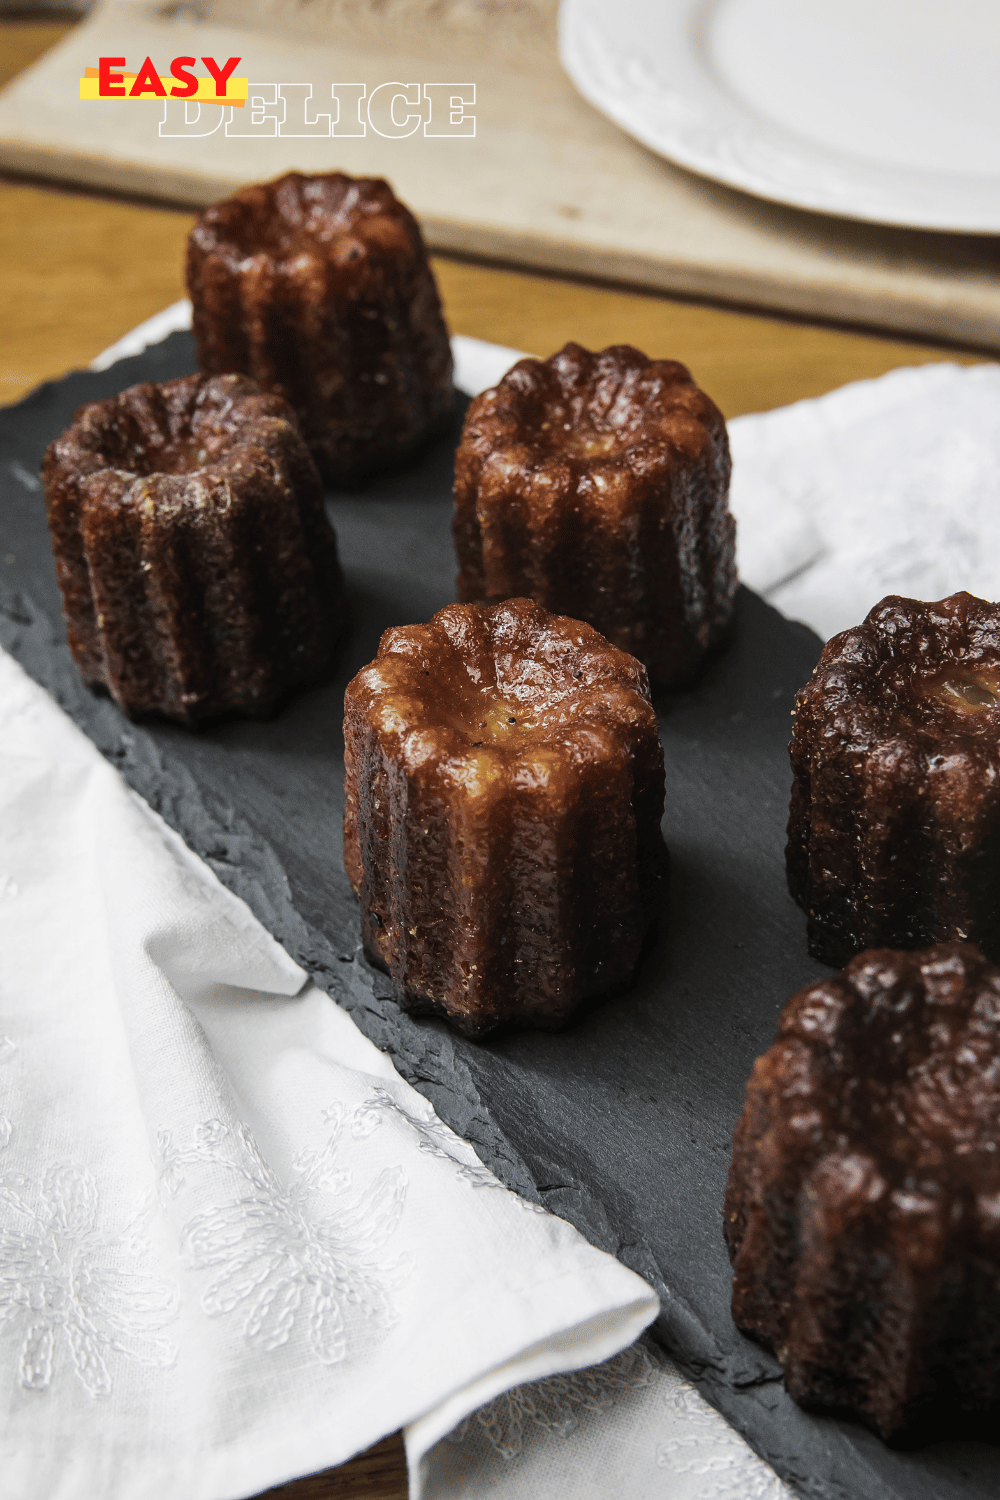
{"x": 597, "y": 485}
{"x": 863, "y": 1208}
{"x": 320, "y": 288}
{"x": 503, "y": 804}
{"x": 198, "y": 570}
{"x": 894, "y": 830}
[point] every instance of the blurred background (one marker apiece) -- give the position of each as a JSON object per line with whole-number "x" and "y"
{"x": 626, "y": 180}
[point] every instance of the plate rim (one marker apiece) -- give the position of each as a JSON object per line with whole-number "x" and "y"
{"x": 729, "y": 142}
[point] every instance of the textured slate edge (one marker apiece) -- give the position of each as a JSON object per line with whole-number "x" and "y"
{"x": 822, "y": 1458}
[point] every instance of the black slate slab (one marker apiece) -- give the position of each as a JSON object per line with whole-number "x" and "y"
{"x": 621, "y": 1124}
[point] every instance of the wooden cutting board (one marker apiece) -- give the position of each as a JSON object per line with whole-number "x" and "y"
{"x": 546, "y": 182}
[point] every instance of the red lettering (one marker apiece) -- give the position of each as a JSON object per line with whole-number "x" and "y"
{"x": 147, "y": 81}
{"x": 179, "y": 69}
{"x": 106, "y": 79}
{"x": 220, "y": 74}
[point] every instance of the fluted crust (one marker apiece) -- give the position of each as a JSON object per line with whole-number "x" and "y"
{"x": 502, "y": 823}
{"x": 894, "y": 827}
{"x": 198, "y": 571}
{"x": 863, "y": 1207}
{"x": 597, "y": 484}
{"x": 320, "y": 288}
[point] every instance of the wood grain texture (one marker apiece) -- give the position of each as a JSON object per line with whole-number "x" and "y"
{"x": 81, "y": 269}
{"x": 546, "y": 182}
{"x": 746, "y": 361}
{"x": 26, "y": 40}
{"x": 379, "y": 1474}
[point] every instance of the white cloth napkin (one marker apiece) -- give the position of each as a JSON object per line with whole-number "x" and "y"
{"x": 234, "y": 1245}
{"x": 887, "y": 486}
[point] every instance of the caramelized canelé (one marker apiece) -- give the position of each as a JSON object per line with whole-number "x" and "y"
{"x": 198, "y": 571}
{"x": 502, "y": 823}
{"x": 894, "y": 829}
{"x": 597, "y": 484}
{"x": 863, "y": 1207}
{"x": 320, "y": 288}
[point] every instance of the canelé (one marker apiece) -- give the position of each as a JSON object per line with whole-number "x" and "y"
{"x": 894, "y": 828}
{"x": 198, "y": 571}
{"x": 597, "y": 485}
{"x": 863, "y": 1208}
{"x": 320, "y": 288}
{"x": 502, "y": 823}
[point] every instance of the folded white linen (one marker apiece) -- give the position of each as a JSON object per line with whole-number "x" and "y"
{"x": 894, "y": 482}
{"x": 630, "y": 1427}
{"x": 234, "y": 1245}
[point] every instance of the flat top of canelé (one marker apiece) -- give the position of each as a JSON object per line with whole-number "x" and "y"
{"x": 894, "y": 1067}
{"x": 501, "y": 680}
{"x": 583, "y": 409}
{"x": 930, "y": 671}
{"x": 177, "y": 427}
{"x": 345, "y": 219}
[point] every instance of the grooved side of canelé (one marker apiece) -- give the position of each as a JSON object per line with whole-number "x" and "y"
{"x": 617, "y": 515}
{"x": 65, "y": 469}
{"x": 497, "y": 886}
{"x": 320, "y": 289}
{"x": 211, "y": 587}
{"x": 894, "y": 822}
{"x": 862, "y": 1211}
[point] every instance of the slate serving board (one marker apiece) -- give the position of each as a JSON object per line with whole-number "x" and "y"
{"x": 622, "y": 1123}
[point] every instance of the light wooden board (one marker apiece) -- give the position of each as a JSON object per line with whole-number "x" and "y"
{"x": 547, "y": 182}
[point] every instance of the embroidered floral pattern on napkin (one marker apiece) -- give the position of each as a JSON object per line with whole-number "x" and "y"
{"x": 557, "y": 1404}
{"x": 711, "y": 1451}
{"x": 280, "y": 1257}
{"x": 66, "y": 1284}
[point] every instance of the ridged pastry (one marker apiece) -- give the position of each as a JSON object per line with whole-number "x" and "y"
{"x": 863, "y": 1208}
{"x": 597, "y": 485}
{"x": 503, "y": 802}
{"x": 894, "y": 828}
{"x": 198, "y": 571}
{"x": 320, "y": 288}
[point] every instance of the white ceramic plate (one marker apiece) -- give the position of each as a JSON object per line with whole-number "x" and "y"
{"x": 886, "y": 110}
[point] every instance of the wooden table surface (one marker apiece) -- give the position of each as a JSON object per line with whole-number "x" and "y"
{"x": 79, "y": 269}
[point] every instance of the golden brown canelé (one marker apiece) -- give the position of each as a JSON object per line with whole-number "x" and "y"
{"x": 198, "y": 571}
{"x": 894, "y": 827}
{"x": 597, "y": 485}
{"x": 863, "y": 1208}
{"x": 502, "y": 822}
{"x": 320, "y": 288}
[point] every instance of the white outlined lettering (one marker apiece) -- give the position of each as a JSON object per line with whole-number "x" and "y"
{"x": 290, "y": 110}
{"x": 181, "y": 117}
{"x": 297, "y": 121}
{"x": 447, "y": 115}
{"x": 382, "y": 103}
{"x": 261, "y": 114}
{"x": 349, "y": 99}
